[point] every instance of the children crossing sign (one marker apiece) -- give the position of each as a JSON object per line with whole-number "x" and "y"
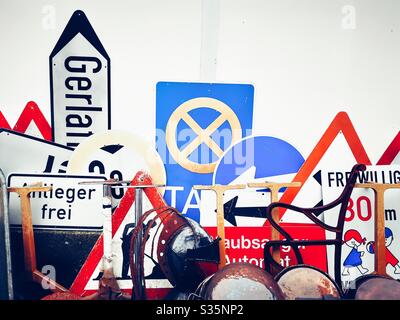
{"x": 358, "y": 241}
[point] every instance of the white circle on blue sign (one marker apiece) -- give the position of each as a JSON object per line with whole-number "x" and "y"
{"x": 267, "y": 156}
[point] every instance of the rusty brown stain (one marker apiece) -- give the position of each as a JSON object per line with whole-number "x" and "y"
{"x": 326, "y": 288}
{"x": 253, "y": 279}
{"x": 306, "y": 282}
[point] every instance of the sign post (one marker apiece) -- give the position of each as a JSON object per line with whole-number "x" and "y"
{"x": 274, "y": 187}
{"x": 219, "y": 191}
{"x": 380, "y": 248}
{"x": 138, "y": 244}
{"x": 28, "y": 237}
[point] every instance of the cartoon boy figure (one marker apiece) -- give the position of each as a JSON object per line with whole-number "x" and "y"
{"x": 353, "y": 239}
{"x": 390, "y": 258}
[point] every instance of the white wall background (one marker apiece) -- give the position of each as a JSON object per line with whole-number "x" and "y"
{"x": 308, "y": 59}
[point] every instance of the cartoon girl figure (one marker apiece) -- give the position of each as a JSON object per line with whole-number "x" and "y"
{"x": 390, "y": 258}
{"x": 353, "y": 239}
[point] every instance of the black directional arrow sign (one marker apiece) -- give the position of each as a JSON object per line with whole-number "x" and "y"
{"x": 231, "y": 211}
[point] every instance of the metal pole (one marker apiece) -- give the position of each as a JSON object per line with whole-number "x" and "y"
{"x": 4, "y": 224}
{"x": 219, "y": 192}
{"x": 138, "y": 244}
{"x": 107, "y": 228}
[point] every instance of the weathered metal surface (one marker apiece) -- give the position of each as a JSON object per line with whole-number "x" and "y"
{"x": 306, "y": 282}
{"x": 274, "y": 188}
{"x": 378, "y": 288}
{"x": 219, "y": 192}
{"x": 312, "y": 213}
{"x": 27, "y": 234}
{"x": 241, "y": 281}
{"x": 66, "y": 251}
{"x": 62, "y": 296}
{"x": 182, "y": 255}
{"x": 179, "y": 252}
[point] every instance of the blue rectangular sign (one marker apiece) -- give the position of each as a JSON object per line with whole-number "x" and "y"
{"x": 196, "y": 123}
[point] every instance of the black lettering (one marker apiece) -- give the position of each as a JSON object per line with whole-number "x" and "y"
{"x": 79, "y": 134}
{"x": 61, "y": 214}
{"x": 396, "y": 176}
{"x": 339, "y": 178}
{"x": 117, "y": 193}
{"x": 81, "y": 194}
{"x": 96, "y": 164}
{"x": 390, "y": 214}
{"x": 83, "y": 83}
{"x": 90, "y": 193}
{"x": 79, "y": 123}
{"x": 330, "y": 178}
{"x": 81, "y": 66}
{"x": 347, "y": 176}
{"x": 49, "y": 164}
{"x": 83, "y": 108}
{"x": 70, "y": 194}
{"x": 363, "y": 176}
{"x": 50, "y": 212}
{"x": 59, "y": 193}
{"x": 87, "y": 97}
{"x": 44, "y": 208}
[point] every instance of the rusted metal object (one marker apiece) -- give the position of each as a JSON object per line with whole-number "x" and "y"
{"x": 312, "y": 214}
{"x": 375, "y": 287}
{"x": 28, "y": 237}
{"x": 200, "y": 290}
{"x": 239, "y": 281}
{"x": 274, "y": 188}
{"x": 62, "y": 296}
{"x": 108, "y": 286}
{"x": 192, "y": 255}
{"x": 183, "y": 249}
{"x": 307, "y": 282}
{"x": 138, "y": 277}
{"x": 219, "y": 192}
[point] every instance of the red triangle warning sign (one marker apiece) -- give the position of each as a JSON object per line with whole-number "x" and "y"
{"x": 391, "y": 152}
{"x": 85, "y": 275}
{"x": 31, "y": 113}
{"x": 3, "y": 122}
{"x": 341, "y": 123}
